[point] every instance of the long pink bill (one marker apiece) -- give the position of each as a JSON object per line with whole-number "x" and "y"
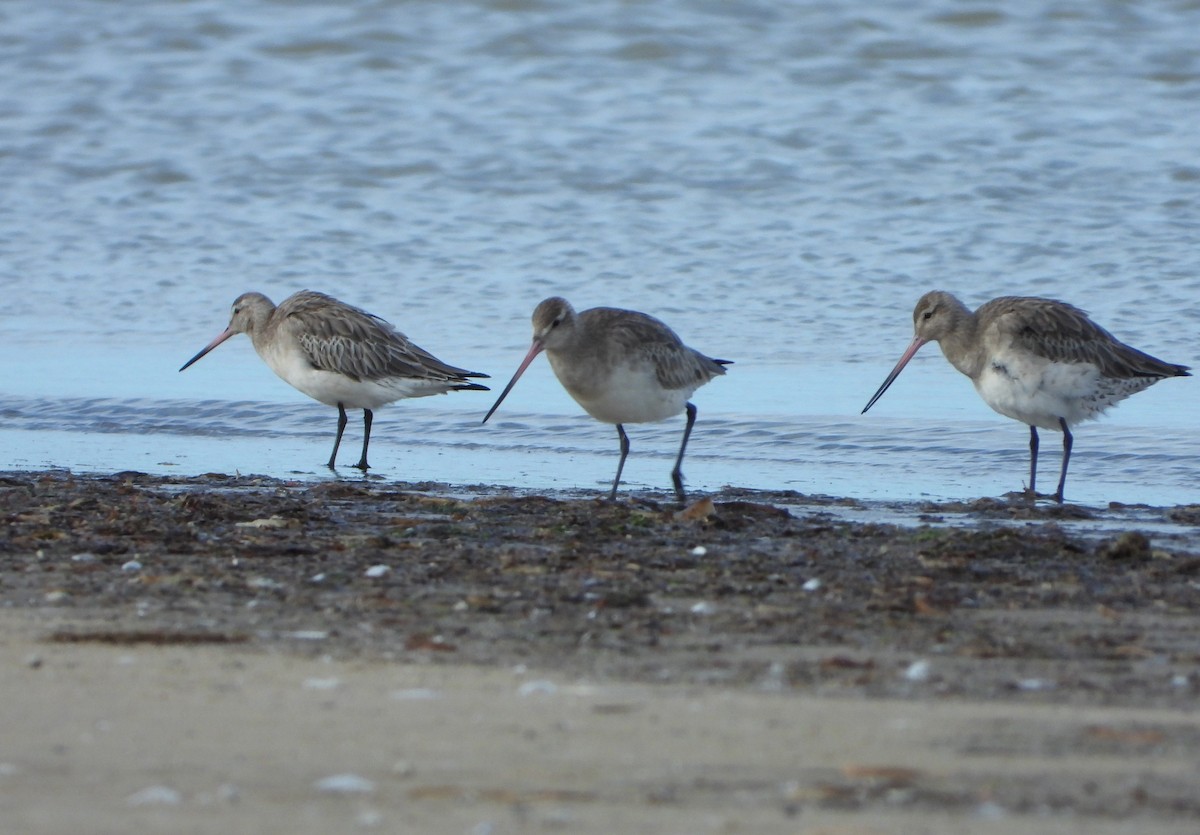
{"x": 534, "y": 350}
{"x": 228, "y": 332}
{"x": 891, "y": 378}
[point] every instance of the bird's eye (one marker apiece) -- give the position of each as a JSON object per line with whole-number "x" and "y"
{"x": 927, "y": 315}
{"x": 556, "y": 323}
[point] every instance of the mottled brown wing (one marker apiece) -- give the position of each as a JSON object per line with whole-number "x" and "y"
{"x": 676, "y": 365}
{"x": 348, "y": 340}
{"x": 1061, "y": 332}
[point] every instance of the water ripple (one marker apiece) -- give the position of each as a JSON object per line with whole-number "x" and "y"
{"x": 779, "y": 182}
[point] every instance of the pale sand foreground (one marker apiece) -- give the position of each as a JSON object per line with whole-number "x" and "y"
{"x": 243, "y": 736}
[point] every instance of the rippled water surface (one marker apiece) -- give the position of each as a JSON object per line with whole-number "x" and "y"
{"x": 778, "y": 181}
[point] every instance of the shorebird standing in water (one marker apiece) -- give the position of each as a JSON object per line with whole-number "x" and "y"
{"x": 1039, "y": 361}
{"x": 622, "y": 367}
{"x": 339, "y": 355}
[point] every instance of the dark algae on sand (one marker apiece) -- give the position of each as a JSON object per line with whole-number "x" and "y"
{"x": 749, "y": 589}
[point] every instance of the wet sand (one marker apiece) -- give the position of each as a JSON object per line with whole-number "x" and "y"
{"x": 197, "y": 654}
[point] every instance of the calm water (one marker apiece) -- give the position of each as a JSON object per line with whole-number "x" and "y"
{"x": 779, "y": 181}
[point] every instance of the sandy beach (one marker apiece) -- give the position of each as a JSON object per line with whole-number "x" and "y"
{"x": 222, "y": 654}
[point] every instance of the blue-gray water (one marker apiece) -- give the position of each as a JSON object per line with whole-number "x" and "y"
{"x": 779, "y": 181}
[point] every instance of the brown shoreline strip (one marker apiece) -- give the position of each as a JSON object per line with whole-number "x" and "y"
{"x": 121, "y": 637}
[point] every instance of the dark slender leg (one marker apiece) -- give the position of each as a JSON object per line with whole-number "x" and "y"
{"x": 338, "y": 440}
{"x": 1033, "y": 448}
{"x": 621, "y": 464}
{"x": 677, "y": 473}
{"x": 367, "y": 418}
{"x": 1068, "y": 440}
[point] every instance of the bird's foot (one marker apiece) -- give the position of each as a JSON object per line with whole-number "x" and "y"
{"x": 1032, "y": 496}
{"x": 677, "y": 483}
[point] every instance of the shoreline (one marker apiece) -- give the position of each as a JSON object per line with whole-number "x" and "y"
{"x": 262, "y": 559}
{"x": 758, "y": 660}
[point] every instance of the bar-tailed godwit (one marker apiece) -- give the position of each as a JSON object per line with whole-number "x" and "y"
{"x": 1039, "y": 361}
{"x": 622, "y": 367}
{"x": 339, "y": 355}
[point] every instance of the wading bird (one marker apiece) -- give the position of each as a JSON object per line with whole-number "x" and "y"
{"x": 339, "y": 355}
{"x": 1039, "y": 361}
{"x": 622, "y": 367}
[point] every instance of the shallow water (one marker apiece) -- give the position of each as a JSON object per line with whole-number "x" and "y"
{"x": 779, "y": 182}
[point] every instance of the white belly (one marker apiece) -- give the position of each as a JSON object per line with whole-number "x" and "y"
{"x": 1038, "y": 392}
{"x": 625, "y": 395}
{"x": 331, "y": 388}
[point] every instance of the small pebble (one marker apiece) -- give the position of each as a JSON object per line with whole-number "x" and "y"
{"x": 917, "y": 671}
{"x": 699, "y": 551}
{"x": 155, "y": 796}
{"x": 775, "y": 679}
{"x": 811, "y": 585}
{"x": 57, "y": 596}
{"x": 703, "y": 608}
{"x": 537, "y": 688}
{"x": 317, "y": 578}
{"x": 33, "y": 661}
{"x": 344, "y": 784}
{"x": 990, "y": 811}
{"x": 131, "y": 566}
{"x": 1035, "y": 684}
{"x": 377, "y": 571}
{"x": 321, "y": 683}
{"x": 415, "y": 694}
{"x": 273, "y": 522}
{"x": 84, "y": 557}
